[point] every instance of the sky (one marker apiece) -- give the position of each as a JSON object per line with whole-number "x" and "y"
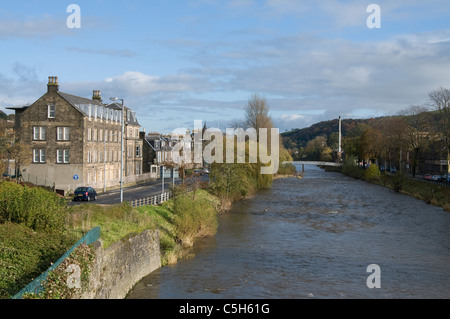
{"x": 175, "y": 62}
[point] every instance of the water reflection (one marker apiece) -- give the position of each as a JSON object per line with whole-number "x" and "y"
{"x": 314, "y": 238}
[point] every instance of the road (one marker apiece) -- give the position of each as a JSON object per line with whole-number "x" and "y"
{"x": 131, "y": 193}
{"x": 148, "y": 189}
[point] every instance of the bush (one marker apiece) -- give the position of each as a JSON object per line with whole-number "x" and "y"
{"x": 25, "y": 254}
{"x": 194, "y": 218}
{"x": 397, "y": 182}
{"x": 373, "y": 172}
{"x": 35, "y": 207}
{"x": 287, "y": 169}
{"x": 351, "y": 169}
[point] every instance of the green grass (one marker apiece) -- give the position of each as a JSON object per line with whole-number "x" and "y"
{"x": 162, "y": 219}
{"x": 115, "y": 221}
{"x": 431, "y": 193}
{"x": 119, "y": 221}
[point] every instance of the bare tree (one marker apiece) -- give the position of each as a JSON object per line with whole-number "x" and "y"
{"x": 6, "y": 142}
{"x": 394, "y": 140}
{"x": 257, "y": 113}
{"x": 21, "y": 154}
{"x": 418, "y": 131}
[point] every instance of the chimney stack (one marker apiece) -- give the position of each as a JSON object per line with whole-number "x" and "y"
{"x": 52, "y": 85}
{"x": 96, "y": 96}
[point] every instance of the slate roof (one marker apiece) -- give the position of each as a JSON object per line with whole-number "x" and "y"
{"x": 100, "y": 110}
{"x": 83, "y": 105}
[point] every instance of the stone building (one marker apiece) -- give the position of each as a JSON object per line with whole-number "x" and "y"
{"x": 76, "y": 141}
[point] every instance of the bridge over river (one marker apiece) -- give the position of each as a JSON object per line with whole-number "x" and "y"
{"x": 316, "y": 163}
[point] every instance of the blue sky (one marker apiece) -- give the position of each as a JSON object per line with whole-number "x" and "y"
{"x": 179, "y": 61}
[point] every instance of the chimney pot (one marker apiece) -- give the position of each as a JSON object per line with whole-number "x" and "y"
{"x": 96, "y": 95}
{"x": 52, "y": 85}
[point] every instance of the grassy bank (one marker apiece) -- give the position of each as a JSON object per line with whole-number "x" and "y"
{"x": 431, "y": 193}
{"x": 28, "y": 246}
{"x": 25, "y": 254}
{"x": 180, "y": 221}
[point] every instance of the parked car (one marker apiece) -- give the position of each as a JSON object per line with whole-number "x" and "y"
{"x": 436, "y": 178}
{"x": 427, "y": 177}
{"x": 202, "y": 171}
{"x": 85, "y": 193}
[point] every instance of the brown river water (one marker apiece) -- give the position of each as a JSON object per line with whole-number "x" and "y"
{"x": 315, "y": 238}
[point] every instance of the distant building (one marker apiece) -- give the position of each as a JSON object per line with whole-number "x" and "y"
{"x": 76, "y": 141}
{"x": 159, "y": 151}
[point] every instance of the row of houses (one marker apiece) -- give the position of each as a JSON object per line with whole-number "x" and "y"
{"x": 77, "y": 141}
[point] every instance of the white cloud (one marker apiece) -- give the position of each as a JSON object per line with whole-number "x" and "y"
{"x": 109, "y": 52}
{"x": 292, "y": 117}
{"x": 138, "y": 84}
{"x": 41, "y": 28}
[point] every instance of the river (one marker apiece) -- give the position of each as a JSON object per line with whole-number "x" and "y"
{"x": 315, "y": 238}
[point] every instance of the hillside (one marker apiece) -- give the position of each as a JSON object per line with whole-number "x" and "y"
{"x": 300, "y": 137}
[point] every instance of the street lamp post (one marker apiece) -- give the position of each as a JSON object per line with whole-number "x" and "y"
{"x": 121, "y": 146}
{"x": 162, "y": 182}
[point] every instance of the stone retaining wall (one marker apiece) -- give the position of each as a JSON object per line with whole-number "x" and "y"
{"x": 119, "y": 267}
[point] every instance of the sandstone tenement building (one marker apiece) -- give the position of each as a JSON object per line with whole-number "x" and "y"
{"x": 76, "y": 141}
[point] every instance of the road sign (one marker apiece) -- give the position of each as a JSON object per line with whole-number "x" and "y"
{"x": 75, "y": 177}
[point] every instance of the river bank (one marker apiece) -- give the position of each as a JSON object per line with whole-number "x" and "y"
{"x": 314, "y": 238}
{"x": 434, "y": 194}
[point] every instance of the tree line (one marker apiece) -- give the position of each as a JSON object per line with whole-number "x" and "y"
{"x": 394, "y": 141}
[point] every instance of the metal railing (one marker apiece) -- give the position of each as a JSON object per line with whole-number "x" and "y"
{"x": 156, "y": 199}
{"x": 153, "y": 200}
{"x": 36, "y": 286}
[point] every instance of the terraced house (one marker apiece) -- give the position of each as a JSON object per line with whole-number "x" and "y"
{"x": 76, "y": 141}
